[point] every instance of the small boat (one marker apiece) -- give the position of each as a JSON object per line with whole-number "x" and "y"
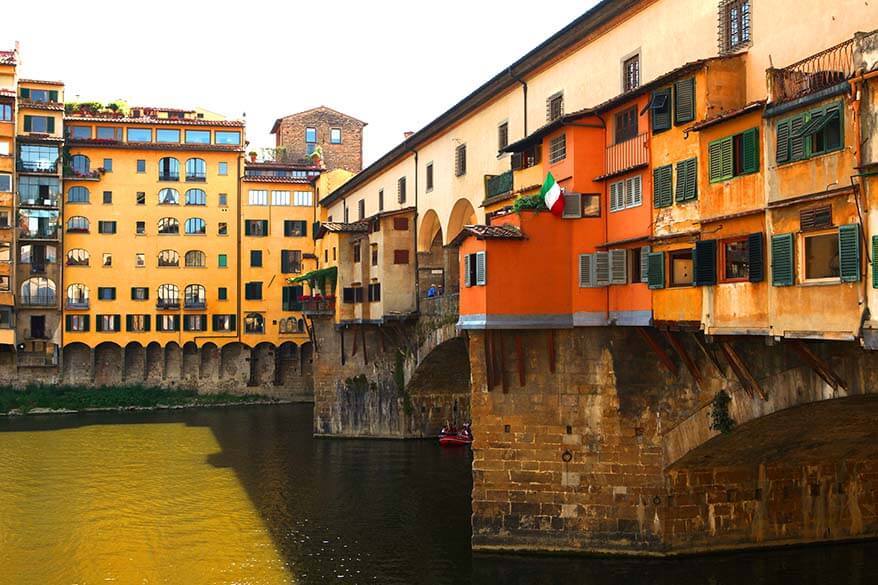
{"x": 451, "y": 437}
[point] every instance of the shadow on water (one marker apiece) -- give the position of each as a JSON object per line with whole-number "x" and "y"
{"x": 392, "y": 512}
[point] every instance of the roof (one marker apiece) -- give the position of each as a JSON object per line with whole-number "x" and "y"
{"x": 271, "y": 164}
{"x": 488, "y": 232}
{"x": 7, "y": 57}
{"x": 345, "y": 228}
{"x": 55, "y": 106}
{"x": 7, "y": 93}
{"x": 41, "y": 82}
{"x": 564, "y": 40}
{"x": 723, "y": 116}
{"x": 277, "y": 122}
{"x": 273, "y": 179}
{"x": 163, "y": 121}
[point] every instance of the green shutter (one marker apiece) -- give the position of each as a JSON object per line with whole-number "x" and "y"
{"x": 53, "y": 95}
{"x": 28, "y": 123}
{"x": 756, "y": 257}
{"x": 247, "y": 227}
{"x": 704, "y": 259}
{"x": 68, "y": 319}
{"x": 782, "y": 150}
{"x": 50, "y": 125}
{"x": 720, "y": 164}
{"x": 684, "y": 101}
{"x": 849, "y": 252}
{"x": 286, "y": 298}
{"x": 656, "y": 270}
{"x": 662, "y": 186}
{"x": 25, "y": 93}
{"x": 86, "y": 322}
{"x": 687, "y": 180}
{"x": 874, "y": 261}
{"x": 750, "y": 148}
{"x": 797, "y": 141}
{"x": 147, "y": 319}
{"x": 782, "y": 259}
{"x": 661, "y": 116}
{"x": 129, "y": 322}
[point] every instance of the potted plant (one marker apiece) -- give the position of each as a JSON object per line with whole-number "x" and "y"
{"x": 252, "y": 155}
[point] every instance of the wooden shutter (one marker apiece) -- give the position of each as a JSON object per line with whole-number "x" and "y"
{"x": 849, "y": 252}
{"x": 264, "y": 225}
{"x": 756, "y": 257}
{"x": 516, "y": 161}
{"x": 586, "y": 270}
{"x": 25, "y": 93}
{"x": 656, "y": 270}
{"x": 117, "y": 322}
{"x": 602, "y": 268}
{"x": 705, "y": 262}
{"x": 28, "y": 123}
{"x": 285, "y": 298}
{"x": 662, "y": 186}
{"x": 720, "y": 165}
{"x": 644, "y": 264}
{"x": 815, "y": 218}
{"x": 750, "y": 151}
{"x": 147, "y": 320}
{"x": 797, "y": 140}
{"x": 684, "y": 101}
{"x": 68, "y": 319}
{"x": 660, "y": 109}
{"x": 572, "y": 205}
{"x": 636, "y": 186}
{"x": 50, "y": 124}
{"x": 687, "y": 180}
{"x": 248, "y": 230}
{"x": 618, "y": 266}
{"x": 782, "y": 258}
{"x": 467, "y": 264}
{"x": 86, "y": 322}
{"x": 782, "y": 148}
{"x": 616, "y": 196}
{"x": 481, "y": 268}
{"x": 53, "y": 95}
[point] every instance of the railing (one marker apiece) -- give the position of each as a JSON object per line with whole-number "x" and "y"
{"x": 820, "y": 71}
{"x": 167, "y": 304}
{"x": 77, "y": 304}
{"x": 82, "y": 175}
{"x": 37, "y": 166}
{"x": 39, "y": 300}
{"x": 169, "y": 177}
{"x": 627, "y": 155}
{"x": 50, "y": 201}
{"x": 195, "y": 305}
{"x": 498, "y": 184}
{"x": 196, "y": 178}
{"x": 318, "y": 306}
{"x": 40, "y": 234}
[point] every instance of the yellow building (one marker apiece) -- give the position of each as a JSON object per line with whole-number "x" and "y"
{"x": 151, "y": 230}
{"x": 8, "y": 90}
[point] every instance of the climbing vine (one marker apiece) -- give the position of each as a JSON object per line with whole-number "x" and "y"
{"x": 720, "y": 419}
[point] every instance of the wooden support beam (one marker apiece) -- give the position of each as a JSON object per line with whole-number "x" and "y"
{"x": 502, "y": 364}
{"x": 341, "y": 333}
{"x": 709, "y": 354}
{"x": 659, "y": 351}
{"x": 489, "y": 360}
{"x": 684, "y": 356}
{"x": 819, "y": 365}
{"x": 750, "y": 384}
{"x": 550, "y": 345}
{"x": 519, "y": 359}
{"x": 365, "y": 355}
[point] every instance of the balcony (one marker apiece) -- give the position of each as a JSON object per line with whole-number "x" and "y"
{"x": 169, "y": 177}
{"x": 92, "y": 175}
{"x": 38, "y": 300}
{"x": 42, "y": 201}
{"x": 627, "y": 155}
{"x": 49, "y": 233}
{"x": 195, "y": 305}
{"x": 37, "y": 166}
{"x": 498, "y": 184}
{"x": 318, "y": 306}
{"x": 820, "y": 71}
{"x": 167, "y": 304}
{"x": 77, "y": 304}
{"x": 195, "y": 178}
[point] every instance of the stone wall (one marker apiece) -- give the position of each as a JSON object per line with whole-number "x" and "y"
{"x": 348, "y": 155}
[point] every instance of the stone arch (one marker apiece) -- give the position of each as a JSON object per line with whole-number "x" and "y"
{"x": 430, "y": 226}
{"x": 108, "y": 364}
{"x": 286, "y": 363}
{"x": 462, "y": 214}
{"x": 134, "y": 365}
{"x": 210, "y": 362}
{"x": 262, "y": 364}
{"x": 173, "y": 362}
{"x": 439, "y": 387}
{"x": 155, "y": 363}
{"x": 191, "y": 365}
{"x": 77, "y": 365}
{"x": 234, "y": 366}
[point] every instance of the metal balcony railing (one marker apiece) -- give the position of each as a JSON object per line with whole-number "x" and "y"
{"x": 37, "y": 166}
{"x": 498, "y": 184}
{"x": 167, "y": 304}
{"x": 45, "y": 201}
{"x": 39, "y": 234}
{"x": 627, "y": 155}
{"x": 77, "y": 304}
{"x": 39, "y": 300}
{"x": 195, "y": 305}
{"x": 819, "y": 71}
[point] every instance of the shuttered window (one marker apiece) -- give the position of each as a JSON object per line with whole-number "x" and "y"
{"x": 756, "y": 257}
{"x": 849, "y": 252}
{"x": 400, "y": 190}
{"x": 815, "y": 218}
{"x": 749, "y": 149}
{"x": 618, "y": 267}
{"x": 663, "y": 186}
{"x": 782, "y": 258}
{"x": 617, "y": 196}
{"x": 660, "y": 109}
{"x": 602, "y": 268}
{"x": 572, "y": 205}
{"x": 467, "y": 268}
{"x": 557, "y": 149}
{"x": 555, "y": 106}
{"x": 721, "y": 165}
{"x": 687, "y": 180}
{"x": 684, "y": 100}
{"x": 586, "y": 270}
{"x": 733, "y": 156}
{"x": 644, "y": 264}
{"x": 460, "y": 160}
{"x": 705, "y": 262}
{"x": 481, "y": 268}
{"x": 656, "y": 270}
{"x": 810, "y": 134}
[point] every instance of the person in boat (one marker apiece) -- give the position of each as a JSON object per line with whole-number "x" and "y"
{"x": 466, "y": 431}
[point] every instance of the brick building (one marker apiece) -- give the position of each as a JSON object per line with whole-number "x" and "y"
{"x": 339, "y": 136}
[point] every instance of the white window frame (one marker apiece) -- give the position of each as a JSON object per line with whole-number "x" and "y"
{"x": 626, "y": 193}
{"x": 258, "y": 197}
{"x": 281, "y": 198}
{"x": 303, "y": 199}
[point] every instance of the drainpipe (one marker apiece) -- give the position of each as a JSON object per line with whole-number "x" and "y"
{"x": 605, "y": 209}
{"x": 415, "y": 232}
{"x": 524, "y": 94}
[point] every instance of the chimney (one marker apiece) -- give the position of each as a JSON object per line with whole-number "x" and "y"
{"x": 408, "y": 134}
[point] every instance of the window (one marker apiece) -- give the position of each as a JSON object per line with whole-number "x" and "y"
{"x": 303, "y": 199}
{"x": 502, "y": 135}
{"x": 109, "y": 133}
{"x": 280, "y": 198}
{"x": 77, "y": 195}
{"x": 195, "y": 297}
{"x": 5, "y": 182}
{"x": 680, "y": 268}
{"x": 106, "y": 293}
{"x": 380, "y": 199}
{"x": 335, "y": 135}
{"x": 352, "y": 294}
{"x": 626, "y": 125}
{"x": 169, "y": 169}
{"x": 168, "y": 226}
{"x": 253, "y": 291}
{"x": 167, "y": 323}
{"x": 254, "y": 323}
{"x": 227, "y": 137}
{"x": 374, "y": 293}
{"x": 400, "y": 224}
{"x": 141, "y": 166}
{"x": 625, "y": 194}
{"x": 662, "y": 186}
{"x": 687, "y": 180}
{"x": 223, "y": 199}
{"x": 108, "y": 165}
{"x": 108, "y": 197}
{"x": 660, "y": 109}
{"x": 139, "y": 293}
{"x": 400, "y": 190}
{"x": 558, "y": 148}
{"x": 684, "y": 100}
{"x": 222, "y": 169}
{"x": 195, "y": 226}
{"x": 400, "y": 256}
{"x": 821, "y": 253}
{"x": 222, "y": 229}
{"x": 139, "y": 260}
{"x": 33, "y": 157}
{"x": 429, "y": 186}
{"x": 810, "y": 134}
{"x": 295, "y": 228}
{"x": 290, "y": 261}
{"x": 77, "y": 257}
{"x": 733, "y": 156}
{"x": 172, "y": 136}
{"x": 139, "y": 135}
{"x": 735, "y": 260}
{"x": 195, "y": 259}
{"x": 194, "y": 322}
{"x": 169, "y": 196}
{"x": 5, "y": 149}
{"x": 108, "y": 323}
{"x": 475, "y": 269}
{"x": 555, "y": 106}
{"x": 197, "y": 136}
{"x": 311, "y": 135}
{"x": 356, "y": 251}
{"x": 79, "y": 132}
{"x": 168, "y": 259}
{"x": 39, "y": 124}
{"x": 631, "y": 73}
{"x": 139, "y": 228}
{"x": 256, "y": 258}
{"x": 460, "y": 160}
{"x": 361, "y": 209}
{"x": 196, "y": 170}
{"x": 224, "y": 322}
{"x": 80, "y": 164}
{"x": 38, "y": 291}
{"x": 373, "y": 250}
{"x": 256, "y": 227}
{"x": 222, "y": 293}
{"x": 137, "y": 323}
{"x": 107, "y": 260}
{"x": 106, "y": 227}
{"x": 5, "y": 113}
{"x": 196, "y": 197}
{"x": 581, "y": 205}
{"x": 168, "y": 296}
{"x": 222, "y": 261}
{"x": 291, "y": 301}
{"x": 77, "y": 323}
{"x": 734, "y": 26}
{"x": 77, "y": 296}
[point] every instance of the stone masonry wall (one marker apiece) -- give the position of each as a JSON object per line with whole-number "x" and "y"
{"x": 348, "y": 155}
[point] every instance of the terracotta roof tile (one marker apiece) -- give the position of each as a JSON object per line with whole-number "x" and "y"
{"x": 83, "y": 142}
{"x": 488, "y": 232}
{"x": 7, "y": 93}
{"x": 270, "y": 179}
{"x": 41, "y": 81}
{"x": 723, "y": 116}
{"x": 7, "y": 57}
{"x": 345, "y": 228}
{"x": 162, "y": 121}
{"x": 53, "y": 106}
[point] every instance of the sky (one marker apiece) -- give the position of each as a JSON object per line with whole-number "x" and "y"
{"x": 393, "y": 64}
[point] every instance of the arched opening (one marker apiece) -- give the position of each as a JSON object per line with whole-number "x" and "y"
{"x": 135, "y": 363}
{"x": 462, "y": 214}
{"x": 440, "y": 387}
{"x": 108, "y": 364}
{"x": 286, "y": 364}
{"x": 210, "y": 362}
{"x": 173, "y": 361}
{"x": 430, "y": 226}
{"x": 191, "y": 367}
{"x": 262, "y": 365}
{"x": 76, "y": 367}
{"x": 234, "y": 365}
{"x": 433, "y": 268}
{"x": 155, "y": 363}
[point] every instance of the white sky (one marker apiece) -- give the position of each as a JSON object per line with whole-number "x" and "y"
{"x": 395, "y": 64}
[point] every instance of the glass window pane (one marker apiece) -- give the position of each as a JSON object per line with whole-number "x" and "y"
{"x": 167, "y": 136}
{"x": 197, "y": 136}
{"x": 227, "y": 137}
{"x": 139, "y": 135}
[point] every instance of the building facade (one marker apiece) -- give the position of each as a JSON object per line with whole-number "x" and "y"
{"x": 337, "y": 137}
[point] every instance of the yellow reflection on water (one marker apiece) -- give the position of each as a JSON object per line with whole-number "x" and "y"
{"x": 136, "y": 503}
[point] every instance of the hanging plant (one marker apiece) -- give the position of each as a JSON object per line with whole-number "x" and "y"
{"x": 720, "y": 419}
{"x": 531, "y": 203}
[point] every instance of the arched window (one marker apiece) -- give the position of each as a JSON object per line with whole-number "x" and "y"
{"x": 196, "y": 197}
{"x": 195, "y": 226}
{"x": 77, "y": 296}
{"x": 77, "y": 225}
{"x": 195, "y": 297}
{"x": 169, "y": 296}
{"x": 254, "y": 323}
{"x": 196, "y": 259}
{"x": 301, "y": 326}
{"x": 291, "y": 325}
{"x": 169, "y": 169}
{"x": 77, "y": 257}
{"x": 77, "y": 195}
{"x": 196, "y": 170}
{"x": 169, "y": 197}
{"x": 169, "y": 258}
{"x": 169, "y": 225}
{"x": 80, "y": 164}
{"x": 38, "y": 291}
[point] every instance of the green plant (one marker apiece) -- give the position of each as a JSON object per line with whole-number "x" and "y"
{"x": 720, "y": 419}
{"x": 530, "y": 203}
{"x": 357, "y": 384}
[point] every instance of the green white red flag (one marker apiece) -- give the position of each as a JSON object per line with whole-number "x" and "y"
{"x": 551, "y": 193}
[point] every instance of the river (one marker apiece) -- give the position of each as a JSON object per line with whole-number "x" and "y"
{"x": 247, "y": 496}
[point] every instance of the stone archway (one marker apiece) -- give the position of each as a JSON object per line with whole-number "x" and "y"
{"x": 77, "y": 366}
{"x": 262, "y": 366}
{"x": 234, "y": 366}
{"x": 191, "y": 365}
{"x": 439, "y": 388}
{"x": 155, "y": 363}
{"x": 209, "y": 369}
{"x": 430, "y": 226}
{"x": 462, "y": 214}
{"x": 108, "y": 364}
{"x": 134, "y": 367}
{"x": 173, "y": 362}
{"x": 286, "y": 363}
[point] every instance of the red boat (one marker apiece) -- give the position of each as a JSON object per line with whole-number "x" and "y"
{"x": 451, "y": 437}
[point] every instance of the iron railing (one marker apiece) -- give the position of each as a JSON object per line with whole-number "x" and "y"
{"x": 627, "y": 155}
{"x": 820, "y": 71}
{"x": 498, "y": 184}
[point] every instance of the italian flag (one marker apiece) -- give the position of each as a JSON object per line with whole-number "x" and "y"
{"x": 551, "y": 193}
